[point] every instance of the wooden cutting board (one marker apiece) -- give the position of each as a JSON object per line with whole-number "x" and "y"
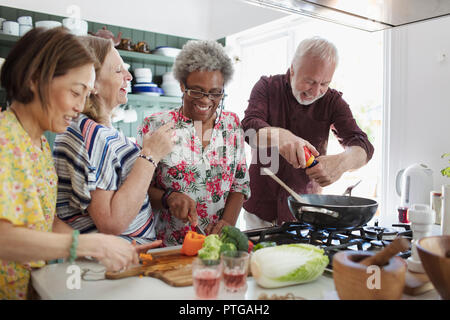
{"x": 417, "y": 283}
{"x": 170, "y": 266}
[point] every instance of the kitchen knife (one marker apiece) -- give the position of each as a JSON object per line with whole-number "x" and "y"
{"x": 199, "y": 230}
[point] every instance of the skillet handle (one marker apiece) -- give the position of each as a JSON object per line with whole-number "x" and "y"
{"x": 315, "y": 209}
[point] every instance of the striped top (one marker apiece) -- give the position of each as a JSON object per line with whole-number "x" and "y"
{"x": 90, "y": 156}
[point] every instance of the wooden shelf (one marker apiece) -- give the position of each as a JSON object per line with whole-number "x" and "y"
{"x": 8, "y": 40}
{"x": 133, "y": 56}
{"x": 134, "y": 99}
{"x": 142, "y": 99}
{"x": 146, "y": 58}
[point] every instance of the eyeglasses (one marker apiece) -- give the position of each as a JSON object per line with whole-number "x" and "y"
{"x": 200, "y": 94}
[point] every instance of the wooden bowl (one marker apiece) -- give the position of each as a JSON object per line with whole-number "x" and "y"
{"x": 355, "y": 281}
{"x": 434, "y": 252}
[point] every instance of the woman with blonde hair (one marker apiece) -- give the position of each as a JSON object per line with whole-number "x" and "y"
{"x": 103, "y": 176}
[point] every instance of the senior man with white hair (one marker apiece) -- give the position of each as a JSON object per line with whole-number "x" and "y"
{"x": 290, "y": 111}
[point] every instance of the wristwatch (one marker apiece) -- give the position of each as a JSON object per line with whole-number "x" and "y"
{"x": 165, "y": 196}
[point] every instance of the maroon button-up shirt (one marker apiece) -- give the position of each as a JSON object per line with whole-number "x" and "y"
{"x": 272, "y": 104}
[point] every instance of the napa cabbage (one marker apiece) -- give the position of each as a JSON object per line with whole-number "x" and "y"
{"x": 288, "y": 264}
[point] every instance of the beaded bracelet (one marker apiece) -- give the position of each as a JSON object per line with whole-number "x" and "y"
{"x": 149, "y": 158}
{"x": 74, "y": 246}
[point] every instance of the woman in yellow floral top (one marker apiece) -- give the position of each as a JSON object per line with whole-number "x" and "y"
{"x": 47, "y": 76}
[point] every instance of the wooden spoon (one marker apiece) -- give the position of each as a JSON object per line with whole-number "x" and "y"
{"x": 294, "y": 194}
{"x": 383, "y": 257}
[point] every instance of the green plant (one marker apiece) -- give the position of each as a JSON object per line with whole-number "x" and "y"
{"x": 446, "y": 171}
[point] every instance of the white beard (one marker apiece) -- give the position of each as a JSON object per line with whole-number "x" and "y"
{"x": 297, "y": 95}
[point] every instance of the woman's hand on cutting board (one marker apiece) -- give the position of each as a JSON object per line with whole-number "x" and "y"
{"x": 111, "y": 251}
{"x": 143, "y": 248}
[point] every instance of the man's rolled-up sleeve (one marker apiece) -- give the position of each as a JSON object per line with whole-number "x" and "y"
{"x": 346, "y": 129}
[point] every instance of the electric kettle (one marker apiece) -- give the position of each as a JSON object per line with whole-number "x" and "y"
{"x": 414, "y": 184}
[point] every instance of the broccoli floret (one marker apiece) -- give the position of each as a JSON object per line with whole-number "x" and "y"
{"x": 209, "y": 253}
{"x": 233, "y": 235}
{"x": 227, "y": 247}
{"x": 211, "y": 248}
{"x": 212, "y": 241}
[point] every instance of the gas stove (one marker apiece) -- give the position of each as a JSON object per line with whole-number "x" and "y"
{"x": 364, "y": 238}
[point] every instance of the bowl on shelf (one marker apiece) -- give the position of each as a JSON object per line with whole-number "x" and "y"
{"x": 48, "y": 24}
{"x": 143, "y": 75}
{"x": 142, "y": 72}
{"x": 172, "y": 89}
{"x": 152, "y": 94}
{"x": 24, "y": 28}
{"x": 147, "y": 89}
{"x": 143, "y": 79}
{"x": 167, "y": 51}
{"x": 11, "y": 27}
{"x": 145, "y": 84}
{"x": 434, "y": 252}
{"x": 168, "y": 77}
{"x": 25, "y": 20}
{"x": 77, "y": 27}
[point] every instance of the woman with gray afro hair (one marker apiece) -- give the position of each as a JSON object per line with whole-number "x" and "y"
{"x": 204, "y": 181}
{"x": 201, "y": 55}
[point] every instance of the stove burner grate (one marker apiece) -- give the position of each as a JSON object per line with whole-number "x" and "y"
{"x": 331, "y": 240}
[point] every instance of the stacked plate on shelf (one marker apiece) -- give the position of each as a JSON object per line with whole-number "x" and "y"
{"x": 170, "y": 85}
{"x": 76, "y": 26}
{"x": 48, "y": 24}
{"x": 167, "y": 51}
{"x": 10, "y": 27}
{"x": 144, "y": 84}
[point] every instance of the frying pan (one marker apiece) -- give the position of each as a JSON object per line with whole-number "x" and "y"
{"x": 328, "y": 211}
{"x": 332, "y": 211}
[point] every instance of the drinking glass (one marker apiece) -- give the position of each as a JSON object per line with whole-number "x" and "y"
{"x": 403, "y": 214}
{"x": 235, "y": 269}
{"x": 206, "y": 275}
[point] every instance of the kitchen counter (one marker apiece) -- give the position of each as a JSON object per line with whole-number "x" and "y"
{"x": 50, "y": 282}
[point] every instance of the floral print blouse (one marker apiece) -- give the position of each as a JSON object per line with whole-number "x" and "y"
{"x": 28, "y": 185}
{"x": 206, "y": 175}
